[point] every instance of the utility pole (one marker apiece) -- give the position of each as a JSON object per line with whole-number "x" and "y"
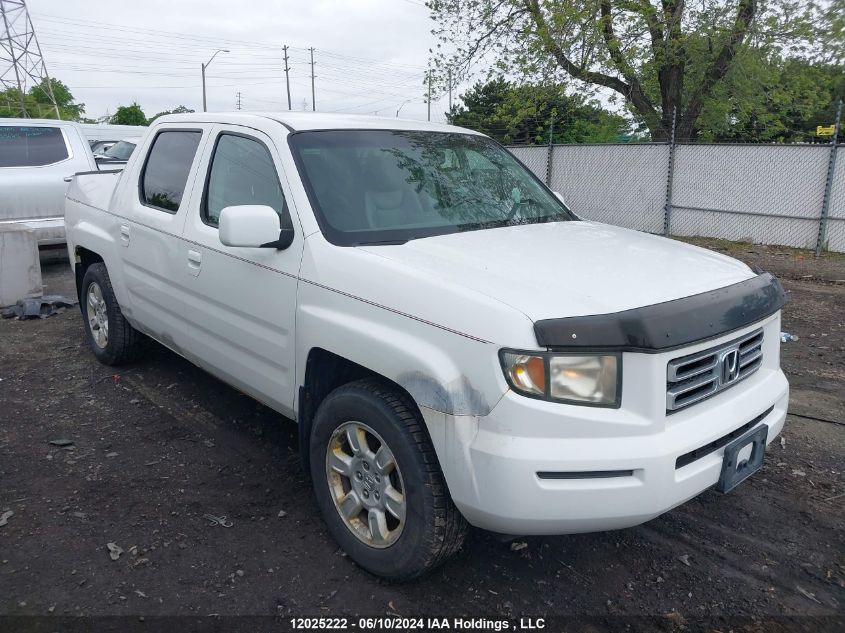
{"x": 428, "y": 100}
{"x": 238, "y": 103}
{"x": 20, "y": 55}
{"x": 287, "y": 73}
{"x": 313, "y": 101}
{"x": 450, "y": 91}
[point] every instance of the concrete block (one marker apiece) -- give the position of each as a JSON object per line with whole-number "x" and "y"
{"x": 20, "y": 267}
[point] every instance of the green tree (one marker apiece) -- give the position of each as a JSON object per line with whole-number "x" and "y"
{"x": 129, "y": 115}
{"x": 659, "y": 57}
{"x": 13, "y": 104}
{"x": 831, "y": 35}
{"x": 766, "y": 98}
{"x": 36, "y": 102}
{"x": 180, "y": 109}
{"x": 525, "y": 114}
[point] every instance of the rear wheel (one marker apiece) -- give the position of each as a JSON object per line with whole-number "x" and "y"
{"x": 110, "y": 337}
{"x": 378, "y": 482}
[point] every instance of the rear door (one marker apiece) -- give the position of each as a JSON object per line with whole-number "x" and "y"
{"x": 242, "y": 301}
{"x": 152, "y": 205}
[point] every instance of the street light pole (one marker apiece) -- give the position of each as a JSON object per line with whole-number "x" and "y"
{"x": 204, "y": 66}
{"x": 401, "y": 106}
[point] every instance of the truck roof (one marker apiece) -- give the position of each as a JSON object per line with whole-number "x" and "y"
{"x": 21, "y": 122}
{"x": 298, "y": 121}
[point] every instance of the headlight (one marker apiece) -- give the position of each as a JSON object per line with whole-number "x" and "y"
{"x": 591, "y": 379}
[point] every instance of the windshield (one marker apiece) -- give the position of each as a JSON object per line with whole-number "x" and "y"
{"x": 378, "y": 186}
{"x": 121, "y": 150}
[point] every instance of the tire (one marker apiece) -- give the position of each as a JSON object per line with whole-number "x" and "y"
{"x": 407, "y": 543}
{"x": 109, "y": 335}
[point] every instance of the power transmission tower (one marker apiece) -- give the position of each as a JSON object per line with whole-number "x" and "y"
{"x": 287, "y": 73}
{"x": 313, "y": 102}
{"x": 21, "y": 62}
{"x": 238, "y": 103}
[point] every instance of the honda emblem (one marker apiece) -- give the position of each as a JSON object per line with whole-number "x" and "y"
{"x": 730, "y": 366}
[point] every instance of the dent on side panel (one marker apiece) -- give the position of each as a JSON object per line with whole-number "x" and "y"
{"x": 430, "y": 363}
{"x": 452, "y": 437}
{"x": 457, "y": 397}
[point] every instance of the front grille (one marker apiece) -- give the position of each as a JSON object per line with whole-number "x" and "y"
{"x": 693, "y": 378}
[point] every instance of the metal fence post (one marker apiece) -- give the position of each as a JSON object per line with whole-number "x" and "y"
{"x": 667, "y": 207}
{"x": 828, "y": 185}
{"x": 551, "y": 151}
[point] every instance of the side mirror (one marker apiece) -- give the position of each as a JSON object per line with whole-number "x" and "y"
{"x": 560, "y": 197}
{"x": 253, "y": 226}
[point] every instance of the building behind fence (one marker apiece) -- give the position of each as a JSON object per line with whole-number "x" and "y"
{"x": 789, "y": 195}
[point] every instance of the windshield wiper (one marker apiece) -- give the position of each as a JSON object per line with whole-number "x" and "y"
{"x": 397, "y": 242}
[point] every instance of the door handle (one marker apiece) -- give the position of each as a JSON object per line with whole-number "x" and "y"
{"x": 124, "y": 234}
{"x": 194, "y": 262}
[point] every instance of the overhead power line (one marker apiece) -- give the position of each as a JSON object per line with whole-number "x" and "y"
{"x": 90, "y": 46}
{"x": 209, "y": 41}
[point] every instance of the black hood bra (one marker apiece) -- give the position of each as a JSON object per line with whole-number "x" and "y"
{"x": 668, "y": 325}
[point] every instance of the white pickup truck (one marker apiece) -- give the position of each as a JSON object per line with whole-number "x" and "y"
{"x": 37, "y": 159}
{"x": 455, "y": 345}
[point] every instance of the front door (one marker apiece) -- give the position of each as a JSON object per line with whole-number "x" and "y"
{"x": 242, "y": 300}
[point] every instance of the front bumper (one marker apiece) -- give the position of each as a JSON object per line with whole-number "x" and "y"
{"x": 492, "y": 463}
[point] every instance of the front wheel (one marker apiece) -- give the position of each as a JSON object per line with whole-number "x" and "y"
{"x": 378, "y": 482}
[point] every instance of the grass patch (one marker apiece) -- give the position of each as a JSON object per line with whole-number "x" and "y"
{"x": 736, "y": 247}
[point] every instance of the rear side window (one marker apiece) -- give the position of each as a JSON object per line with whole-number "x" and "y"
{"x": 166, "y": 171}
{"x": 31, "y": 146}
{"x": 242, "y": 172}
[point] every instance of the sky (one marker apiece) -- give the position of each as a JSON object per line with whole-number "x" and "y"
{"x": 370, "y": 55}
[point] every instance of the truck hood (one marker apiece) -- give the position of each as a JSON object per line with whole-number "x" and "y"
{"x": 568, "y": 268}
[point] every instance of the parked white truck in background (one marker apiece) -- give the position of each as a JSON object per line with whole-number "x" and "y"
{"x": 37, "y": 159}
{"x": 455, "y": 345}
{"x": 102, "y": 136}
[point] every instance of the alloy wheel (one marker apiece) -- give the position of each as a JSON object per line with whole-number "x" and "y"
{"x": 98, "y": 320}
{"x": 365, "y": 484}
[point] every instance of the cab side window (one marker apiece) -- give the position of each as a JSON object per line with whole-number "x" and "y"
{"x": 242, "y": 172}
{"x": 166, "y": 170}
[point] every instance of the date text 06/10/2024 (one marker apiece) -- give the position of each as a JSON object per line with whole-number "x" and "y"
{"x": 421, "y": 624}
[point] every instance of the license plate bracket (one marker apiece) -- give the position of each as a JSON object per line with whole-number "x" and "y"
{"x": 735, "y": 472}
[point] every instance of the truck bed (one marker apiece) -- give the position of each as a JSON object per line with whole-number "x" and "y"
{"x": 94, "y": 188}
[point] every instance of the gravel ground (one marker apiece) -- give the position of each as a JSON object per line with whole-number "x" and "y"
{"x": 158, "y": 444}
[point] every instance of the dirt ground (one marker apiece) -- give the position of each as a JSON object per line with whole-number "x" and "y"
{"x": 783, "y": 261}
{"x": 159, "y": 444}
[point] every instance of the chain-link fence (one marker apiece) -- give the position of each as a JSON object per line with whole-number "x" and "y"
{"x": 771, "y": 194}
